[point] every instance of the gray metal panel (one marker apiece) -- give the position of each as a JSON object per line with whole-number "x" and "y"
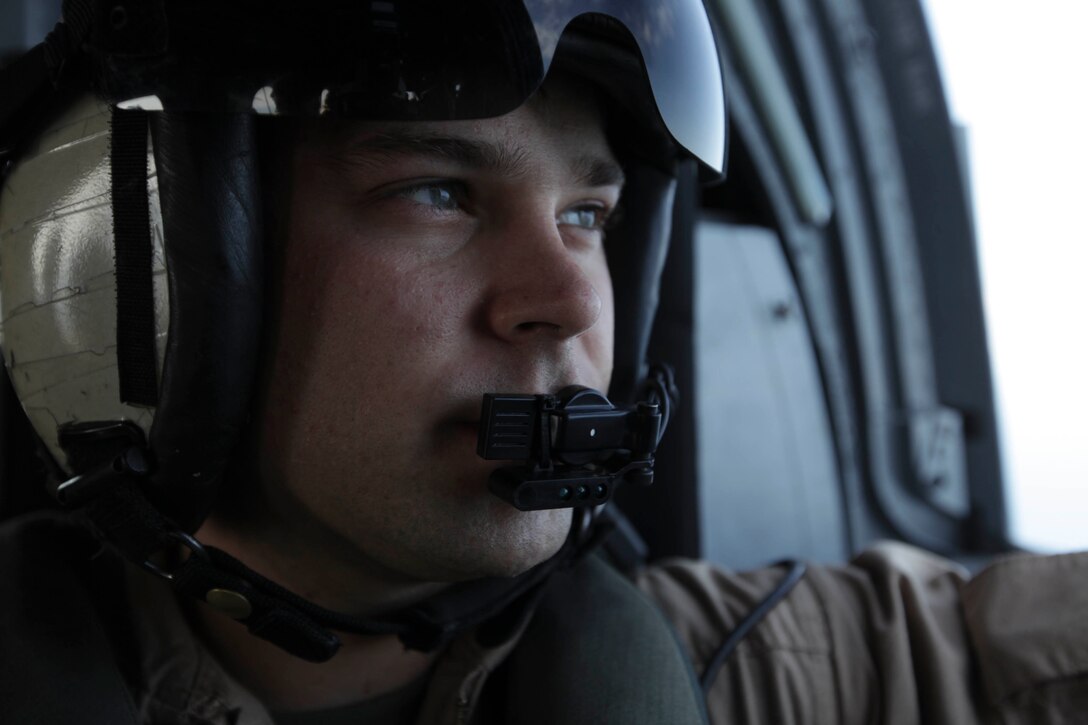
{"x": 769, "y": 484}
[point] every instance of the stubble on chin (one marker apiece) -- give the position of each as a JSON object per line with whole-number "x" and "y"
{"x": 497, "y": 540}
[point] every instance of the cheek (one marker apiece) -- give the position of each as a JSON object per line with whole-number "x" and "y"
{"x": 601, "y": 338}
{"x": 359, "y": 342}
{"x": 364, "y": 323}
{"x": 603, "y": 285}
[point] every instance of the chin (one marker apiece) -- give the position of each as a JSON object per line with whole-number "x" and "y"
{"x": 525, "y": 558}
{"x": 511, "y": 543}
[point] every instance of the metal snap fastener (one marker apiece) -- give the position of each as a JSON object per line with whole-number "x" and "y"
{"x": 230, "y": 603}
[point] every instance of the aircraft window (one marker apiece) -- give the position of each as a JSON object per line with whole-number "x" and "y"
{"x": 1015, "y": 86}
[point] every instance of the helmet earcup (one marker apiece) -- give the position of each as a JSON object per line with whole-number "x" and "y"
{"x": 209, "y": 181}
{"x": 58, "y": 309}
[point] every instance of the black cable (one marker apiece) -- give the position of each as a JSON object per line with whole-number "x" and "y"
{"x": 793, "y": 576}
{"x": 659, "y": 388}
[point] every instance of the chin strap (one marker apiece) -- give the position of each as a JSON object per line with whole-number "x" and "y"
{"x": 113, "y": 496}
{"x": 116, "y": 505}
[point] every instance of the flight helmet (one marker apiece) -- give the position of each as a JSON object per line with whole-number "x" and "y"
{"x": 132, "y": 265}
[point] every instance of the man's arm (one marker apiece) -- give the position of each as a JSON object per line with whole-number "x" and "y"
{"x": 898, "y": 636}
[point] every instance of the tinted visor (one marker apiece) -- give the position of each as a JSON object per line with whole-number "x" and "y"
{"x": 431, "y": 60}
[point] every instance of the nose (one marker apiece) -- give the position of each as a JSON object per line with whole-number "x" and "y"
{"x": 543, "y": 288}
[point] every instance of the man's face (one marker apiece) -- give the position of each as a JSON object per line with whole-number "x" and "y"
{"x": 425, "y": 265}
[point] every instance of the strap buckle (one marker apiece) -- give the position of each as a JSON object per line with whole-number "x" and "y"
{"x": 195, "y": 549}
{"x": 82, "y": 488}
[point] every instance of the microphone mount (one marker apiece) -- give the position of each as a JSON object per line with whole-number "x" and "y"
{"x": 575, "y": 447}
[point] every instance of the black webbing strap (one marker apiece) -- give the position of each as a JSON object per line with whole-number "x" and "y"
{"x": 136, "y": 356}
{"x": 129, "y": 522}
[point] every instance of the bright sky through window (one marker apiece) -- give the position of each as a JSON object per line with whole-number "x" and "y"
{"x": 1014, "y": 74}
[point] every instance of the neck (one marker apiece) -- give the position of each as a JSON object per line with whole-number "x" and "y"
{"x": 364, "y": 667}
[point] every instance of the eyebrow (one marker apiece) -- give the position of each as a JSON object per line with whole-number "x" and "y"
{"x": 505, "y": 159}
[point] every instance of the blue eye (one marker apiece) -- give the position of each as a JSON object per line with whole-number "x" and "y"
{"x": 586, "y": 217}
{"x": 439, "y": 195}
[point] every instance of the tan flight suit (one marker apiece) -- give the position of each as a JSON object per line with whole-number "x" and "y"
{"x": 899, "y": 636}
